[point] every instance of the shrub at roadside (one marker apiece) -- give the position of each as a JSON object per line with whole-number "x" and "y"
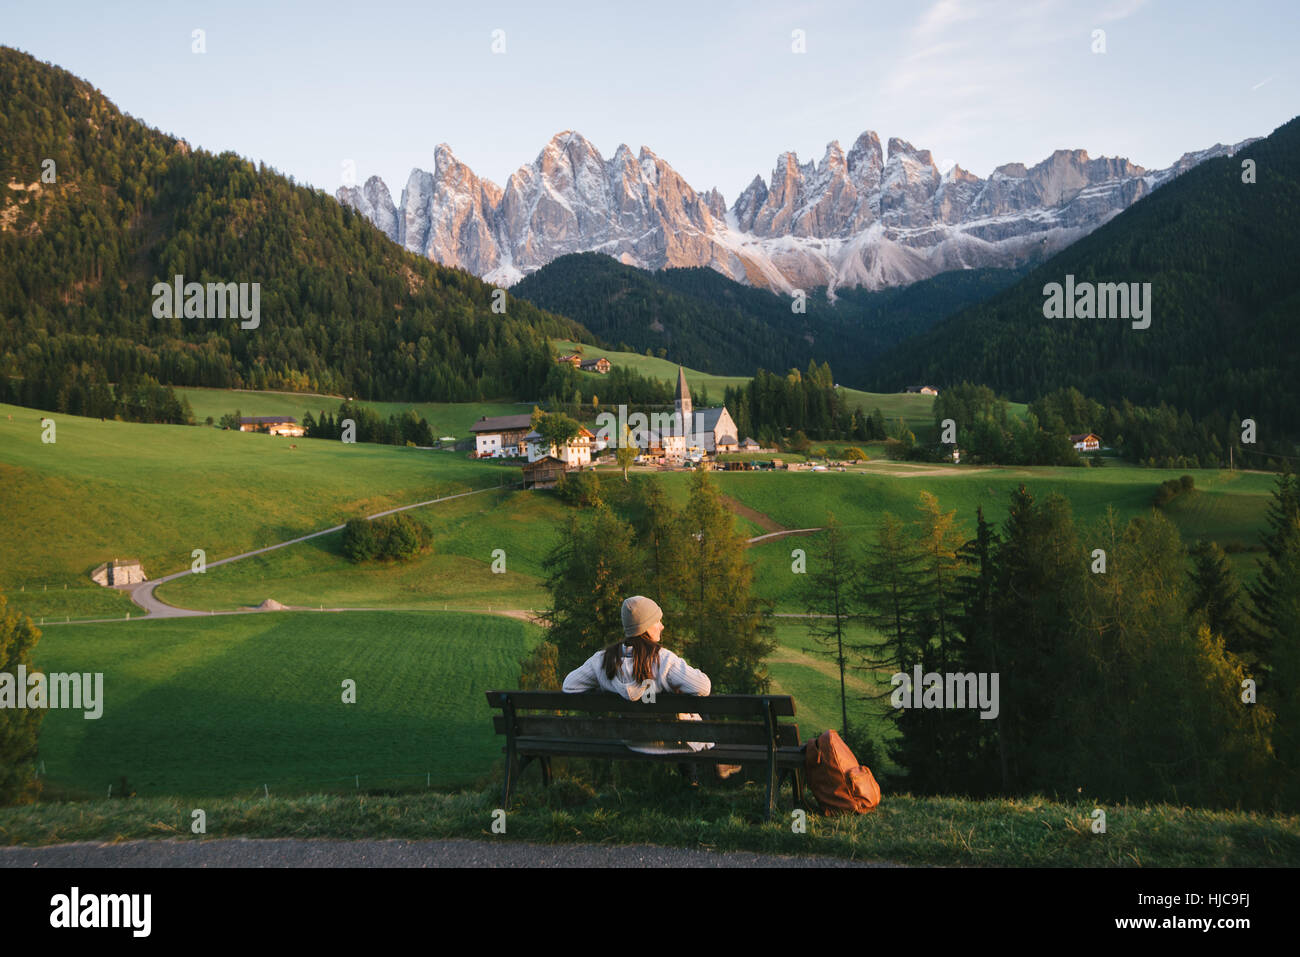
{"x": 391, "y": 538}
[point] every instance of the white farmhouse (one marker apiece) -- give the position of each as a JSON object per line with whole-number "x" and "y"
{"x": 501, "y": 436}
{"x": 575, "y": 454}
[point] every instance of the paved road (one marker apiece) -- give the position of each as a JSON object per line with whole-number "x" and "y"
{"x": 290, "y": 853}
{"x": 784, "y": 531}
{"x": 142, "y": 593}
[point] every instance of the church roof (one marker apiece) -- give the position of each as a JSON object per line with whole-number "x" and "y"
{"x": 706, "y": 420}
{"x": 683, "y": 390}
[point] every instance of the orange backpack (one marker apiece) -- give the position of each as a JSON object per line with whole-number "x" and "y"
{"x": 839, "y": 783}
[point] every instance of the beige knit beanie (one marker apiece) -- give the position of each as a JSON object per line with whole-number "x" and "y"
{"x": 639, "y": 613}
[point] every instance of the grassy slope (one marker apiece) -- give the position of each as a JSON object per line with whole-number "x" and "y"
{"x": 446, "y": 418}
{"x": 915, "y": 409}
{"x": 1228, "y": 507}
{"x": 70, "y": 601}
{"x": 456, "y": 572}
{"x": 155, "y": 492}
{"x": 219, "y": 706}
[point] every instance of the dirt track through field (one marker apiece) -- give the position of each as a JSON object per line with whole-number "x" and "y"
{"x": 826, "y": 667}
{"x": 764, "y": 522}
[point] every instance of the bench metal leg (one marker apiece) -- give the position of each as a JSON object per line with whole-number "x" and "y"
{"x": 511, "y": 771}
{"x": 769, "y": 713}
{"x": 797, "y": 777}
{"x": 771, "y": 788}
{"x": 515, "y": 769}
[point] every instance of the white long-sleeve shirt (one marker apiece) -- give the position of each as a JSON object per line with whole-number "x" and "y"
{"x": 670, "y": 674}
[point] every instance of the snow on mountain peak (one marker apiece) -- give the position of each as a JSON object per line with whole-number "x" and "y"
{"x": 868, "y": 217}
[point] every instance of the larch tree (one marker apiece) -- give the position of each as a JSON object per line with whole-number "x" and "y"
{"x": 19, "y": 727}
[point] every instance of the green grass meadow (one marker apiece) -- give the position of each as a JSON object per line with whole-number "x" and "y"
{"x": 445, "y": 418}
{"x": 455, "y": 573}
{"x": 224, "y": 705}
{"x": 78, "y": 601}
{"x": 1226, "y": 507}
{"x": 108, "y": 490}
{"x": 913, "y": 409}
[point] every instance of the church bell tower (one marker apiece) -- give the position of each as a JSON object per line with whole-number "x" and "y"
{"x": 682, "y": 404}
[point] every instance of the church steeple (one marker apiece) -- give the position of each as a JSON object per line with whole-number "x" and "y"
{"x": 682, "y": 403}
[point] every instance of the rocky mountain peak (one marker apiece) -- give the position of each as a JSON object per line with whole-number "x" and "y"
{"x": 866, "y": 217}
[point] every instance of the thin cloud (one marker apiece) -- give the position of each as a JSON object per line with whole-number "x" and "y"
{"x": 944, "y": 14}
{"x": 1260, "y": 83}
{"x": 1122, "y": 9}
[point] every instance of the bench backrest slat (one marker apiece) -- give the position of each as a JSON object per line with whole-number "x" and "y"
{"x": 608, "y": 703}
{"x": 645, "y": 729}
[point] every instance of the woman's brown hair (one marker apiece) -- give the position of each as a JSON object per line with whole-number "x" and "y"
{"x": 644, "y": 655}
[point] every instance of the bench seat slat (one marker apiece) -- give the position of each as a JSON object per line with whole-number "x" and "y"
{"x": 608, "y": 702}
{"x": 786, "y": 757}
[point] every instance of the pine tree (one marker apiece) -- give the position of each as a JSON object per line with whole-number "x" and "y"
{"x": 723, "y": 624}
{"x": 1276, "y": 598}
{"x": 887, "y": 595}
{"x": 983, "y": 749}
{"x": 1040, "y": 579}
{"x": 937, "y": 542}
{"x": 1215, "y": 598}
{"x": 662, "y": 546}
{"x": 1153, "y": 712}
{"x": 930, "y": 735}
{"x": 1272, "y": 586}
{"x": 829, "y": 593}
{"x": 591, "y": 570}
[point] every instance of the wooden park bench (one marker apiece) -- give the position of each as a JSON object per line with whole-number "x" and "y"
{"x": 744, "y": 729}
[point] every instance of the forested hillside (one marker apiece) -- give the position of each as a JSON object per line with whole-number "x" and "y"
{"x": 1225, "y": 296}
{"x": 704, "y": 320}
{"x": 96, "y": 207}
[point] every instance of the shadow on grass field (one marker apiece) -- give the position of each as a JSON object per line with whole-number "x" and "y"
{"x": 220, "y": 706}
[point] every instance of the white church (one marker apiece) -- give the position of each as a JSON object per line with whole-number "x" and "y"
{"x": 700, "y": 430}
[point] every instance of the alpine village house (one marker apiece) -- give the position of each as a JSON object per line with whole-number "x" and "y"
{"x": 688, "y": 434}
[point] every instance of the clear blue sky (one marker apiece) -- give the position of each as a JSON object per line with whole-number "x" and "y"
{"x": 712, "y": 87}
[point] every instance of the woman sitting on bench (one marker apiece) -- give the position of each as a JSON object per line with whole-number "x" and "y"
{"x": 631, "y": 667}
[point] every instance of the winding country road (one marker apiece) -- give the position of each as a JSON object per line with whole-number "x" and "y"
{"x": 142, "y": 593}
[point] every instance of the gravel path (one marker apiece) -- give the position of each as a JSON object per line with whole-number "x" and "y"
{"x": 291, "y": 853}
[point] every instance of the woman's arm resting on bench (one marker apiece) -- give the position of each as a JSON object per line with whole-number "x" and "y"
{"x": 680, "y": 678}
{"x": 582, "y": 678}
